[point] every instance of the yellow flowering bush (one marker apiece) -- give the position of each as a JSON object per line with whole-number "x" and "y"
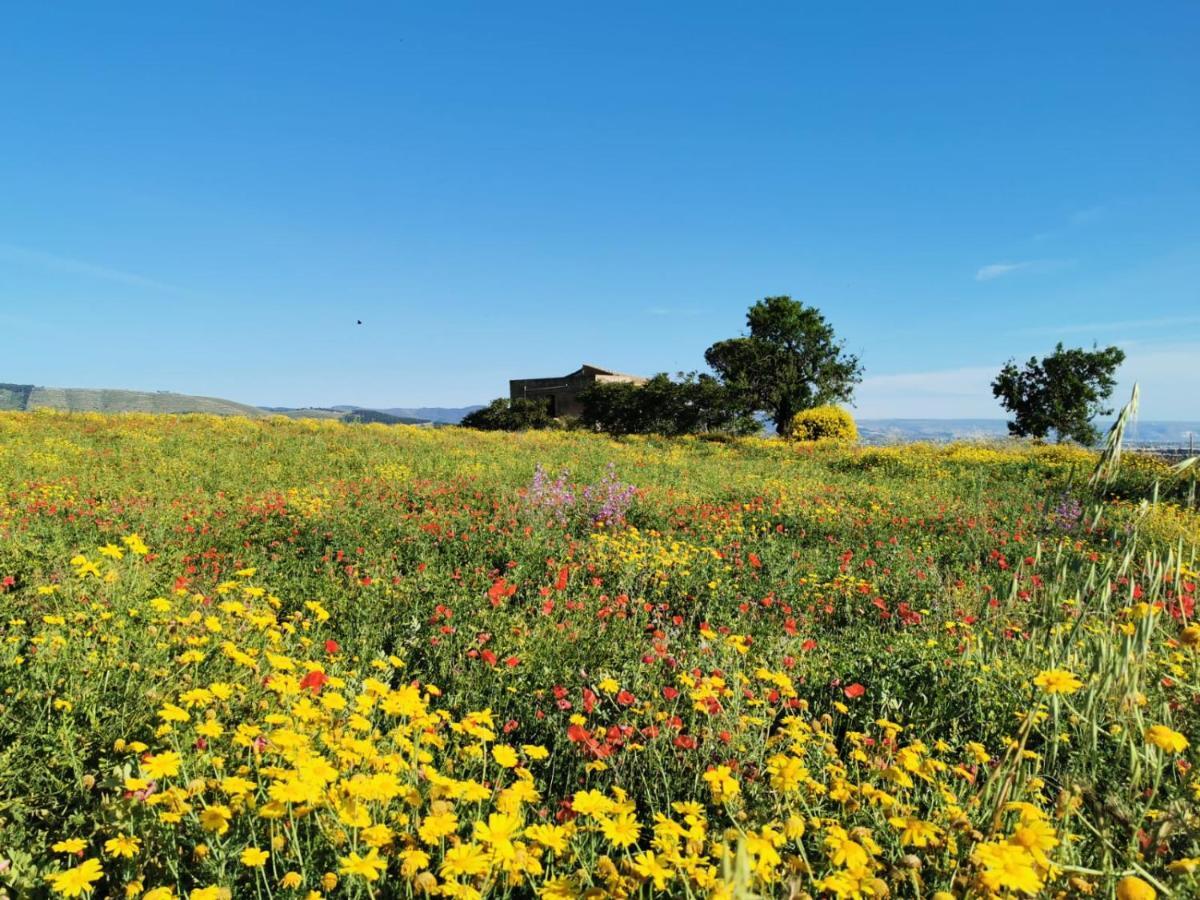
{"x": 823, "y": 423}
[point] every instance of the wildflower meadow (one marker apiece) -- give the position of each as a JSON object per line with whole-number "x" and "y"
{"x": 301, "y": 659}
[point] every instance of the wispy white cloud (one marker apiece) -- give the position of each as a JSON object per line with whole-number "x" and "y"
{"x": 1092, "y": 327}
{"x": 999, "y": 270}
{"x": 1077, "y": 219}
{"x": 71, "y": 266}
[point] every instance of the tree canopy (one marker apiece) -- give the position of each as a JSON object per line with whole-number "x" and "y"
{"x": 1061, "y": 393}
{"x": 503, "y": 414}
{"x": 692, "y": 404}
{"x": 789, "y": 361}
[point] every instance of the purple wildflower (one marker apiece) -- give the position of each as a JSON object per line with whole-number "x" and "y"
{"x": 603, "y": 503}
{"x": 609, "y": 500}
{"x": 553, "y": 497}
{"x": 1067, "y": 514}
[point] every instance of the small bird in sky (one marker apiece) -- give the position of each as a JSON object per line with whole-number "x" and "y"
{"x": 360, "y": 321}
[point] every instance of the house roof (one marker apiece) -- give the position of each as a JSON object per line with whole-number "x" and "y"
{"x": 599, "y": 370}
{"x": 585, "y": 370}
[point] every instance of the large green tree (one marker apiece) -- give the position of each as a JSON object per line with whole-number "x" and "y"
{"x": 789, "y": 361}
{"x": 1061, "y": 393}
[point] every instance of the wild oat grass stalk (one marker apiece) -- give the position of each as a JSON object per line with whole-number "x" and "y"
{"x": 1109, "y": 462}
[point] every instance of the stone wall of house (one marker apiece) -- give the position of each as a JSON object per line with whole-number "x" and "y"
{"x": 563, "y": 392}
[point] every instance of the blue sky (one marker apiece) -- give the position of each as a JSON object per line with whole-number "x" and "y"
{"x": 206, "y": 197}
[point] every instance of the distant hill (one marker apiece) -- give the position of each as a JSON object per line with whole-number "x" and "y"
{"x": 15, "y": 396}
{"x": 28, "y": 397}
{"x": 447, "y": 415}
{"x": 438, "y": 415}
{"x": 369, "y": 416}
{"x": 25, "y": 397}
{"x": 303, "y": 412}
{"x": 885, "y": 431}
{"x": 350, "y": 414}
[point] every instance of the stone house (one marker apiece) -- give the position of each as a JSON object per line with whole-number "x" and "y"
{"x": 563, "y": 392}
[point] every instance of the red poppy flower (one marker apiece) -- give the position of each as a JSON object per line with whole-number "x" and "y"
{"x": 500, "y": 590}
{"x": 854, "y": 690}
{"x": 314, "y": 681}
{"x": 577, "y": 733}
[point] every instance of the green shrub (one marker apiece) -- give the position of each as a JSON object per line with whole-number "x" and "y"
{"x": 502, "y": 414}
{"x": 823, "y": 423}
